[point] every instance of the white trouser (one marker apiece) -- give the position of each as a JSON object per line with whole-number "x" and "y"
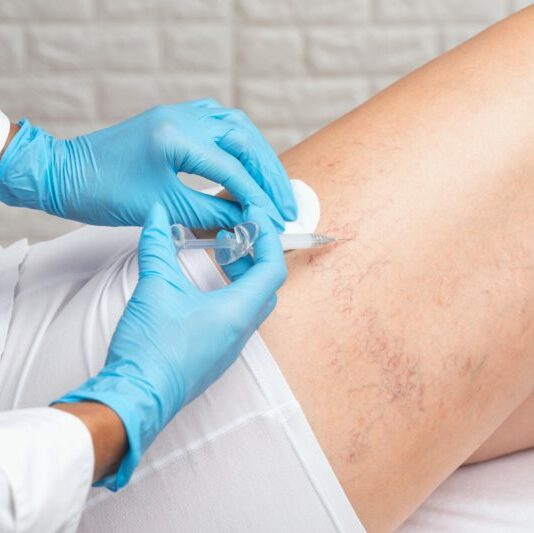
{"x": 240, "y": 458}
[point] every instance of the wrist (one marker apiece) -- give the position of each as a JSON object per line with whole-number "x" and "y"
{"x": 25, "y": 168}
{"x": 107, "y": 433}
{"x": 135, "y": 406}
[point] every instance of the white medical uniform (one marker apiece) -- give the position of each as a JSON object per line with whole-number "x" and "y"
{"x": 46, "y": 467}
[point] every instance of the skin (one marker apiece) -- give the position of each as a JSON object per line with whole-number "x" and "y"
{"x": 410, "y": 344}
{"x": 107, "y": 434}
{"x": 517, "y": 433}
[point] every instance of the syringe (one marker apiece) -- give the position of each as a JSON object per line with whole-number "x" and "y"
{"x": 232, "y": 246}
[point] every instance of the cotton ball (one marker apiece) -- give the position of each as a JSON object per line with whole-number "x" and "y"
{"x": 309, "y": 209}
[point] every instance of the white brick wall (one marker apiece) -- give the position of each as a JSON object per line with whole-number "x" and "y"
{"x": 293, "y": 65}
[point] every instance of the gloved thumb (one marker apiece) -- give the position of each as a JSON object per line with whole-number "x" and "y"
{"x": 157, "y": 253}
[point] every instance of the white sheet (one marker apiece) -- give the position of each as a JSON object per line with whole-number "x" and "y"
{"x": 492, "y": 497}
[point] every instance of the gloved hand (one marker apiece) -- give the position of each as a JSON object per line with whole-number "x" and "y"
{"x": 113, "y": 176}
{"x": 161, "y": 356}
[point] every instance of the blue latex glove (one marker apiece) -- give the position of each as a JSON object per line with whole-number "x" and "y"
{"x": 112, "y": 177}
{"x": 173, "y": 340}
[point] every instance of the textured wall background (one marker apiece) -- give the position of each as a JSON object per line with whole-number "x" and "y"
{"x": 293, "y": 65}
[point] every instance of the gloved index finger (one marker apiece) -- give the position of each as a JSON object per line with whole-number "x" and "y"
{"x": 269, "y": 271}
{"x": 245, "y": 141}
{"x": 221, "y": 167}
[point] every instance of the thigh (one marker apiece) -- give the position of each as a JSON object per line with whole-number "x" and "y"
{"x": 408, "y": 344}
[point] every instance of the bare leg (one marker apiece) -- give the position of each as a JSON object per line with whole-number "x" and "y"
{"x": 409, "y": 345}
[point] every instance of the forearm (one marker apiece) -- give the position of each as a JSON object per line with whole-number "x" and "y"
{"x": 107, "y": 434}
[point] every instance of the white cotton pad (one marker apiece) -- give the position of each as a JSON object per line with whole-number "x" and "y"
{"x": 309, "y": 209}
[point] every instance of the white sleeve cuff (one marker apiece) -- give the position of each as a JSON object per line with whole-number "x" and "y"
{"x": 5, "y": 125}
{"x": 46, "y": 461}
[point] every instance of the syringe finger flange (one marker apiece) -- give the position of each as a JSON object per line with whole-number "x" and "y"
{"x": 240, "y": 243}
